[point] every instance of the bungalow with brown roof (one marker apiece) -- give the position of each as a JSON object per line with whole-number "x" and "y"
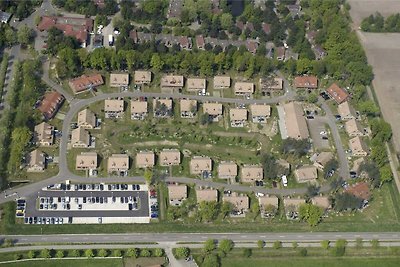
{"x": 170, "y": 157}
{"x": 139, "y": 109}
{"x": 185, "y": 43}
{"x": 268, "y": 206}
{"x": 200, "y": 42}
{"x": 86, "y": 119}
{"x": 238, "y": 117}
{"x": 240, "y": 202}
{"x": 177, "y": 194}
{"x": 244, "y": 88}
{"x": 171, "y": 83}
{"x": 86, "y": 161}
{"x": 162, "y": 107}
{"x": 260, "y": 113}
{"x": 36, "y": 161}
{"x": 266, "y": 28}
{"x": 188, "y": 108}
{"x": 207, "y": 195}
{"x": 322, "y": 202}
{"x": 252, "y": 46}
{"x": 322, "y": 159}
{"x": 119, "y": 79}
{"x": 145, "y": 159}
{"x": 306, "y": 82}
{"x": 133, "y": 34}
{"x": 353, "y": 128}
{"x": 196, "y": 84}
{"x": 338, "y": 94}
{"x": 222, "y": 82}
{"x": 43, "y": 134}
{"x": 358, "y": 147}
{"x": 360, "y": 190}
{"x": 270, "y": 84}
{"x": 307, "y": 173}
{"x": 227, "y": 170}
{"x": 85, "y": 82}
{"x": 346, "y": 111}
{"x": 295, "y": 123}
{"x": 142, "y": 77}
{"x": 292, "y": 206}
{"x": 280, "y": 53}
{"x": 214, "y": 110}
{"x": 113, "y": 108}
{"x": 80, "y": 138}
{"x": 118, "y": 163}
{"x": 251, "y": 173}
{"x": 50, "y": 104}
{"x": 200, "y": 165}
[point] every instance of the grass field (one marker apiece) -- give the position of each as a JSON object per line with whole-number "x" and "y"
{"x": 311, "y": 262}
{"x": 68, "y": 263}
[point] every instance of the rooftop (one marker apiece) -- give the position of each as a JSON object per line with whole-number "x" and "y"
{"x": 295, "y": 122}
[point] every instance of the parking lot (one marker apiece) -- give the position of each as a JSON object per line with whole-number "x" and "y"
{"x": 91, "y": 203}
{"x": 318, "y": 133}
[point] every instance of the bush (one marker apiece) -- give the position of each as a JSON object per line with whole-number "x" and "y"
{"x": 133, "y": 252}
{"x": 277, "y": 245}
{"x": 375, "y": 243}
{"x": 17, "y": 256}
{"x": 158, "y": 252}
{"x": 211, "y": 260}
{"x": 145, "y": 253}
{"x": 45, "y": 253}
{"x": 60, "y": 254}
{"x": 247, "y": 252}
{"x": 295, "y": 245}
{"x": 209, "y": 245}
{"x": 89, "y": 253}
{"x": 31, "y": 254}
{"x": 181, "y": 252}
{"x": 303, "y": 252}
{"x": 117, "y": 253}
{"x": 325, "y": 244}
{"x": 260, "y": 243}
{"x": 102, "y": 253}
{"x": 226, "y": 245}
{"x": 75, "y": 253}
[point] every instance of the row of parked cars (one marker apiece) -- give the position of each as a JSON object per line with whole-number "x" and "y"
{"x": 21, "y": 205}
{"x": 109, "y": 187}
{"x": 44, "y": 220}
{"x": 153, "y": 204}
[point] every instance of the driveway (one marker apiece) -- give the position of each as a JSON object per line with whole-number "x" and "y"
{"x": 316, "y": 126}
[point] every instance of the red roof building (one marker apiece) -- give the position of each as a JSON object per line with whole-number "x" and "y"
{"x": 360, "y": 190}
{"x": 308, "y": 82}
{"x": 75, "y": 27}
{"x": 338, "y": 94}
{"x": 252, "y": 46}
{"x": 266, "y": 28}
{"x": 185, "y": 42}
{"x": 134, "y": 36}
{"x": 250, "y": 26}
{"x": 83, "y": 83}
{"x": 50, "y": 104}
{"x": 200, "y": 42}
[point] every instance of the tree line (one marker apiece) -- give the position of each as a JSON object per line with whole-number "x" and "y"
{"x": 377, "y": 23}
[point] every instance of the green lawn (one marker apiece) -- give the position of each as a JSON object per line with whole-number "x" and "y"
{"x": 67, "y": 263}
{"x": 311, "y": 262}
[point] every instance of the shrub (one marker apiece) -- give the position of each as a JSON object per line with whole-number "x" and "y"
{"x": 75, "y": 253}
{"x": 17, "y": 256}
{"x": 102, "y": 253}
{"x": 181, "y": 252}
{"x": 133, "y": 252}
{"x": 117, "y": 253}
{"x": 226, "y": 245}
{"x": 277, "y": 245}
{"x": 31, "y": 254}
{"x": 295, "y": 245}
{"x": 145, "y": 253}
{"x": 303, "y": 252}
{"x": 375, "y": 243}
{"x": 45, "y": 253}
{"x": 260, "y": 243}
{"x": 158, "y": 252}
{"x": 247, "y": 252}
{"x": 89, "y": 253}
{"x": 60, "y": 254}
{"x": 325, "y": 244}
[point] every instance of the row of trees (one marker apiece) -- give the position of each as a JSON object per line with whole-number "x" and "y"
{"x": 88, "y": 8}
{"x": 377, "y": 23}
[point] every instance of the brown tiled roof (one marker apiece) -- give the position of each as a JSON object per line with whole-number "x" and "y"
{"x": 338, "y": 94}
{"x": 306, "y": 82}
{"x": 360, "y": 190}
{"x": 200, "y": 41}
{"x": 50, "y": 104}
{"x": 84, "y": 82}
{"x": 266, "y": 27}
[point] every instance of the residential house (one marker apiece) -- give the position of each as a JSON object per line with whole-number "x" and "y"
{"x": 185, "y": 43}
{"x": 133, "y": 34}
{"x": 319, "y": 52}
{"x": 338, "y": 94}
{"x": 200, "y": 165}
{"x": 289, "y": 54}
{"x": 322, "y": 159}
{"x": 200, "y": 42}
{"x": 353, "y": 128}
{"x": 118, "y": 163}
{"x": 280, "y": 53}
{"x": 292, "y": 206}
{"x": 358, "y": 147}
{"x": 238, "y": 117}
{"x": 114, "y": 108}
{"x": 139, "y": 109}
{"x": 222, "y": 82}
{"x": 322, "y": 202}
{"x": 80, "y": 138}
{"x": 4, "y": 17}
{"x": 214, "y": 110}
{"x": 86, "y": 161}
{"x": 244, "y": 88}
{"x": 171, "y": 83}
{"x": 295, "y": 123}
{"x": 294, "y": 10}
{"x": 36, "y": 161}
{"x": 162, "y": 107}
{"x": 250, "y": 26}
{"x": 307, "y": 173}
{"x": 227, "y": 170}
{"x": 79, "y": 28}
{"x": 240, "y": 203}
{"x": 268, "y": 206}
{"x": 270, "y": 84}
{"x": 177, "y": 194}
{"x": 85, "y": 82}
{"x": 252, "y": 46}
{"x": 142, "y": 77}
{"x": 145, "y": 159}
{"x": 306, "y": 82}
{"x": 360, "y": 190}
{"x": 346, "y": 111}
{"x": 86, "y": 119}
{"x": 43, "y": 134}
{"x": 266, "y": 28}
{"x": 119, "y": 80}
{"x": 175, "y": 9}
{"x": 196, "y": 84}
{"x": 251, "y": 173}
{"x": 260, "y": 113}
{"x": 188, "y": 108}
{"x": 50, "y": 104}
{"x": 207, "y": 195}
{"x": 170, "y": 157}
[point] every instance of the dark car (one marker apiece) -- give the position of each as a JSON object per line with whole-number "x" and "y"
{"x": 122, "y": 200}
{"x": 137, "y": 187}
{"x": 84, "y": 199}
{"x": 101, "y": 187}
{"x": 130, "y": 206}
{"x": 109, "y": 187}
{"x": 101, "y": 200}
{"x": 154, "y": 215}
{"x": 84, "y": 187}
{"x": 97, "y": 199}
{"x": 353, "y": 174}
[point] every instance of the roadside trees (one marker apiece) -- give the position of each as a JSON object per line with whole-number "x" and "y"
{"x": 209, "y": 245}
{"x": 182, "y": 252}
{"x": 89, "y": 253}
{"x": 133, "y": 252}
{"x": 60, "y": 254}
{"x": 260, "y": 244}
{"x": 226, "y": 245}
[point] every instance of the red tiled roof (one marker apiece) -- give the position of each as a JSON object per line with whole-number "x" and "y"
{"x": 50, "y": 104}
{"x": 360, "y": 190}
{"x": 266, "y": 28}
{"x": 85, "y": 82}
{"x": 134, "y": 36}
{"x": 200, "y": 41}
{"x": 252, "y": 46}
{"x": 184, "y": 41}
{"x": 306, "y": 82}
{"x": 338, "y": 94}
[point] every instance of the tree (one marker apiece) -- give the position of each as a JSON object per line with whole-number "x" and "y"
{"x": 60, "y": 254}
{"x": 303, "y": 252}
{"x": 226, "y": 245}
{"x": 295, "y": 244}
{"x": 133, "y": 252}
{"x": 156, "y": 62}
{"x": 226, "y": 21}
{"x": 260, "y": 244}
{"x": 375, "y": 243}
{"x": 31, "y": 254}
{"x": 310, "y": 213}
{"x": 277, "y": 244}
{"x": 346, "y": 201}
{"x": 89, "y": 253}
{"x": 312, "y": 98}
{"x": 208, "y": 211}
{"x": 385, "y": 174}
{"x": 296, "y": 147}
{"x": 45, "y": 253}
{"x": 209, "y": 245}
{"x": 145, "y": 253}
{"x": 211, "y": 260}
{"x": 117, "y": 253}
{"x": 340, "y": 248}
{"x": 158, "y": 252}
{"x": 247, "y": 252}
{"x": 75, "y": 253}
{"x": 359, "y": 242}
{"x": 182, "y": 252}
{"x": 205, "y": 118}
{"x": 20, "y": 138}
{"x": 102, "y": 253}
{"x": 368, "y": 108}
{"x": 148, "y": 176}
{"x": 17, "y": 256}
{"x": 25, "y": 35}
{"x": 8, "y": 242}
{"x": 325, "y": 244}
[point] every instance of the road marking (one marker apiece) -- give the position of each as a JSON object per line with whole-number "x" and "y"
{"x": 263, "y": 236}
{"x": 65, "y": 238}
